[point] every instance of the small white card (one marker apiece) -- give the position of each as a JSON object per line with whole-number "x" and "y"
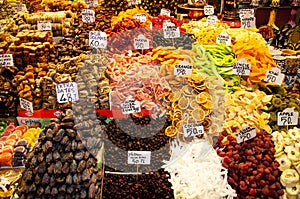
{"x": 183, "y": 68}
{"x": 97, "y": 39}
{"x": 142, "y": 17}
{"x": 91, "y": 3}
{"x": 241, "y": 67}
{"x": 211, "y": 20}
{"x": 248, "y": 22}
{"x": 141, "y": 42}
{"x": 170, "y": 30}
{"x": 88, "y": 16}
{"x": 130, "y": 106}
{"x": 288, "y": 117}
{"x": 165, "y": 11}
{"x": 26, "y": 105}
{"x": 6, "y": 60}
{"x": 245, "y": 134}
{"x": 67, "y": 92}
{"x": 223, "y": 38}
{"x": 139, "y": 157}
{"x": 191, "y": 130}
{"x": 209, "y": 10}
{"x": 275, "y": 76}
{"x": 44, "y": 25}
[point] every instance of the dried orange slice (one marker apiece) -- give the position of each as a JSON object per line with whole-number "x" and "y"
{"x": 201, "y": 98}
{"x": 198, "y": 115}
{"x": 183, "y": 103}
{"x": 171, "y": 131}
{"x": 208, "y": 104}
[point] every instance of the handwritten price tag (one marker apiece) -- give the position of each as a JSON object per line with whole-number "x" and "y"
{"x": 245, "y": 134}
{"x": 26, "y": 105}
{"x": 223, "y": 38}
{"x": 209, "y": 10}
{"x": 88, "y": 16}
{"x": 248, "y": 22}
{"x": 139, "y": 157}
{"x": 141, "y": 42}
{"x": 211, "y": 20}
{"x": 288, "y": 117}
{"x": 165, "y": 11}
{"x": 67, "y": 92}
{"x": 6, "y": 60}
{"x": 142, "y": 17}
{"x": 97, "y": 39}
{"x": 241, "y": 67}
{"x": 130, "y": 106}
{"x": 191, "y": 130}
{"x": 91, "y": 3}
{"x": 275, "y": 76}
{"x": 183, "y": 68}
{"x": 19, "y": 7}
{"x": 246, "y": 12}
{"x": 170, "y": 30}
{"x": 44, "y": 25}
{"x": 134, "y": 2}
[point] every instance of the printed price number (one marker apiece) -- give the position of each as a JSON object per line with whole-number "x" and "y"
{"x": 44, "y": 25}
{"x": 97, "y": 39}
{"x": 130, "y": 106}
{"x": 139, "y": 157}
{"x": 245, "y": 134}
{"x": 192, "y": 130}
{"x": 248, "y": 22}
{"x": 165, "y": 11}
{"x": 288, "y": 117}
{"x": 6, "y": 60}
{"x": 223, "y": 38}
{"x": 88, "y": 16}
{"x": 211, "y": 20}
{"x": 171, "y": 32}
{"x": 141, "y": 42}
{"x": 183, "y": 68}
{"x": 209, "y": 10}
{"x": 142, "y": 17}
{"x": 274, "y": 76}
{"x": 26, "y": 105}
{"x": 67, "y": 92}
{"x": 241, "y": 67}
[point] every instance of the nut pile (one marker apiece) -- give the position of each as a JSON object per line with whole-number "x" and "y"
{"x": 60, "y": 166}
{"x": 6, "y": 10}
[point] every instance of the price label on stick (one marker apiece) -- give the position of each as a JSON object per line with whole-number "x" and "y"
{"x": 170, "y": 30}
{"x": 248, "y": 22}
{"x": 97, "y": 39}
{"x": 211, "y": 20}
{"x": 209, "y": 10}
{"x": 67, "y": 92}
{"x": 288, "y": 117}
{"x": 91, "y": 3}
{"x": 275, "y": 76}
{"x": 44, "y": 25}
{"x": 241, "y": 67}
{"x": 246, "y": 12}
{"x": 191, "y": 130}
{"x": 183, "y": 68}
{"x": 88, "y": 16}
{"x": 245, "y": 134}
{"x": 26, "y": 105}
{"x": 142, "y": 17}
{"x": 165, "y": 11}
{"x": 139, "y": 157}
{"x": 130, "y": 106}
{"x": 6, "y": 60}
{"x": 141, "y": 42}
{"x": 223, "y": 38}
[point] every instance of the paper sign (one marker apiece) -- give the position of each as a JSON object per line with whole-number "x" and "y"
{"x": 211, "y": 20}
{"x": 142, "y": 17}
{"x": 26, "y": 105}
{"x": 245, "y": 134}
{"x": 248, "y": 22}
{"x": 165, "y": 11}
{"x": 244, "y": 12}
{"x": 183, "y": 68}
{"x": 191, "y": 130}
{"x": 67, "y": 92}
{"x": 88, "y": 16}
{"x": 241, "y": 67}
{"x": 274, "y": 76}
{"x": 139, "y": 157}
{"x": 223, "y": 38}
{"x": 91, "y": 3}
{"x": 130, "y": 106}
{"x": 44, "y": 25}
{"x": 170, "y": 30}
{"x": 97, "y": 39}
{"x": 141, "y": 42}
{"x": 6, "y": 60}
{"x": 134, "y": 2}
{"x": 288, "y": 117}
{"x": 19, "y": 7}
{"x": 208, "y": 10}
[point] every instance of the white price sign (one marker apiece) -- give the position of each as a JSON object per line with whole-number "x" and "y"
{"x": 139, "y": 157}
{"x": 6, "y": 60}
{"x": 211, "y": 20}
{"x": 142, "y": 17}
{"x": 245, "y": 134}
{"x": 244, "y": 12}
{"x": 134, "y": 2}
{"x": 91, "y": 3}
{"x": 26, "y": 105}
{"x": 130, "y": 106}
{"x": 275, "y": 76}
{"x": 97, "y": 39}
{"x": 141, "y": 42}
{"x": 209, "y": 10}
{"x": 183, "y": 68}
{"x": 67, "y": 92}
{"x": 19, "y": 7}
{"x": 248, "y": 22}
{"x": 191, "y": 130}
{"x": 170, "y": 30}
{"x": 241, "y": 67}
{"x": 223, "y": 38}
{"x": 88, "y": 16}
{"x": 288, "y": 117}
{"x": 44, "y": 25}
{"x": 165, "y": 11}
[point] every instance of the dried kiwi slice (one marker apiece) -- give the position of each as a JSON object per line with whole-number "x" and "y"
{"x": 277, "y": 102}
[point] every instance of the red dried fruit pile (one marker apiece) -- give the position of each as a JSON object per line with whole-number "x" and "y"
{"x": 252, "y": 169}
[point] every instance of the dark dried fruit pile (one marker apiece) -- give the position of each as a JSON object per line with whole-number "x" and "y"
{"x": 252, "y": 169}
{"x": 60, "y": 166}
